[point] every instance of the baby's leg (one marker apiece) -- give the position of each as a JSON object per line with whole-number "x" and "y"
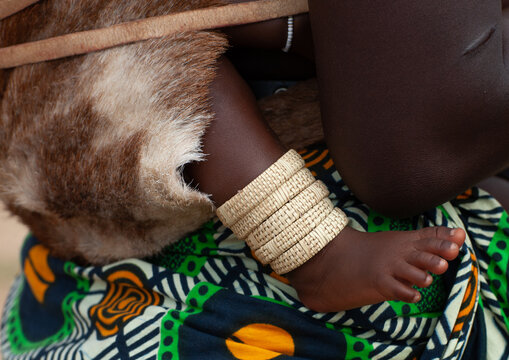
{"x": 239, "y": 144}
{"x": 359, "y": 268}
{"x": 356, "y": 268}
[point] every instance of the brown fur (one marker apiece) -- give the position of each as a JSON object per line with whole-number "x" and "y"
{"x": 92, "y": 147}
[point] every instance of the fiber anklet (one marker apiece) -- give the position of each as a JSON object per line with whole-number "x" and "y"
{"x": 284, "y": 215}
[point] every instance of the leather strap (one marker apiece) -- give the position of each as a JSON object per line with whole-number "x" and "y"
{"x": 150, "y": 28}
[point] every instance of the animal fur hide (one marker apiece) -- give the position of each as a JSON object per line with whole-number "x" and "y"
{"x": 92, "y": 147}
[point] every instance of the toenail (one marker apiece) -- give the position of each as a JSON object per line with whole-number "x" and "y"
{"x": 446, "y": 245}
{"x": 416, "y": 298}
{"x": 443, "y": 262}
{"x": 452, "y": 232}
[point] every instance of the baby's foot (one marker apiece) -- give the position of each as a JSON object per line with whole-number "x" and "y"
{"x": 359, "y": 268}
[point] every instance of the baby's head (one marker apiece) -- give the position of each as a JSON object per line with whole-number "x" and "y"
{"x": 92, "y": 147}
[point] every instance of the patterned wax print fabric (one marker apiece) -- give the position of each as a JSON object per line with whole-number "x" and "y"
{"x": 206, "y": 297}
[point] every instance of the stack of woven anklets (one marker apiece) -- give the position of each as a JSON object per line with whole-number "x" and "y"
{"x": 284, "y": 215}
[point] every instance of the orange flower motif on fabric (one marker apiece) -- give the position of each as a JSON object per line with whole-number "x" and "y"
{"x": 466, "y": 195}
{"x": 126, "y": 297}
{"x": 37, "y": 271}
{"x": 260, "y": 342}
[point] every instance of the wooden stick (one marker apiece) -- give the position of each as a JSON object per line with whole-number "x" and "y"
{"x": 9, "y": 7}
{"x": 150, "y": 28}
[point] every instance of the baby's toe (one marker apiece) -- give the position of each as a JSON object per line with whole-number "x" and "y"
{"x": 414, "y": 276}
{"x": 392, "y": 289}
{"x": 428, "y": 262}
{"x": 446, "y": 249}
{"x": 456, "y": 236}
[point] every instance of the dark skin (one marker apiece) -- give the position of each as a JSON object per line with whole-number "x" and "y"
{"x": 364, "y": 268}
{"x": 356, "y": 268}
{"x": 239, "y": 144}
{"x": 417, "y": 89}
{"x": 271, "y": 35}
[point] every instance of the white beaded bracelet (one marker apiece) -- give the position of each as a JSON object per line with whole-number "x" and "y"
{"x": 289, "y": 36}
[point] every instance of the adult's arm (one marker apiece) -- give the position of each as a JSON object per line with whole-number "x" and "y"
{"x": 414, "y": 97}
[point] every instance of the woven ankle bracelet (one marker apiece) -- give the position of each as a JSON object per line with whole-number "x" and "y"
{"x": 284, "y": 215}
